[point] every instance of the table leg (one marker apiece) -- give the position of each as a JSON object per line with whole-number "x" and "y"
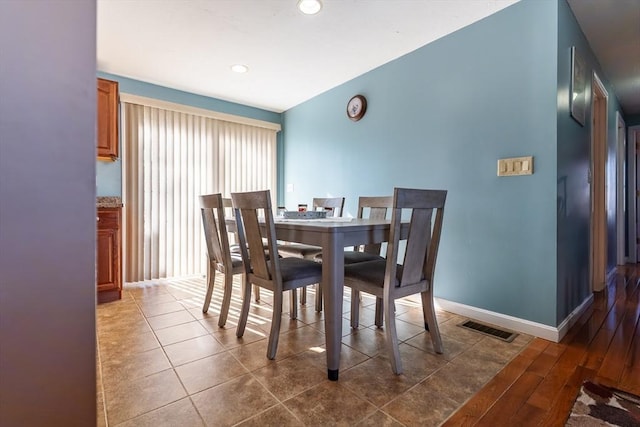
{"x": 333, "y": 290}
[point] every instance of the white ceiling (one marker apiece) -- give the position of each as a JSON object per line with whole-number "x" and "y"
{"x": 190, "y": 44}
{"x": 612, "y": 28}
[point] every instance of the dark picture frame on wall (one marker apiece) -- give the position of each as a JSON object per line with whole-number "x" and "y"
{"x": 578, "y": 100}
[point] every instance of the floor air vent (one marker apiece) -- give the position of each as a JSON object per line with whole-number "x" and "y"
{"x": 503, "y": 335}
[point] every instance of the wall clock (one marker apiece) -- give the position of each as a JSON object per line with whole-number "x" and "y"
{"x": 356, "y": 107}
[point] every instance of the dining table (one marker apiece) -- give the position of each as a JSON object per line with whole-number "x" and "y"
{"x": 333, "y": 235}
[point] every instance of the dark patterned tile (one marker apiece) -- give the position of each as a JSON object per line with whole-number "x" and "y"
{"x": 128, "y": 400}
{"x": 233, "y": 401}
{"x": 208, "y": 372}
{"x": 375, "y": 381}
{"x": 329, "y": 403}
{"x": 421, "y": 406}
{"x": 379, "y": 419}
{"x": 278, "y": 416}
{"x": 193, "y": 349}
{"x": 183, "y": 332}
{"x": 289, "y": 377}
{"x": 181, "y": 413}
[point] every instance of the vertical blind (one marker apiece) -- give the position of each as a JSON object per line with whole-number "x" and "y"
{"x": 169, "y": 159}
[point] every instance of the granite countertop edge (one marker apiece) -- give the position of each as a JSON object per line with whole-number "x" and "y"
{"x": 108, "y": 202}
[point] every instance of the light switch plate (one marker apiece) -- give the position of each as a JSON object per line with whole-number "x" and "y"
{"x": 515, "y": 166}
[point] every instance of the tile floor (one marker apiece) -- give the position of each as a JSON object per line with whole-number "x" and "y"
{"x": 162, "y": 362}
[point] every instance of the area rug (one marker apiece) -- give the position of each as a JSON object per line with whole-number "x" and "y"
{"x": 597, "y": 405}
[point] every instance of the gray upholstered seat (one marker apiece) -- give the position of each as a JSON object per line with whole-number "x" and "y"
{"x": 354, "y": 257}
{"x": 298, "y": 269}
{"x": 254, "y": 223}
{"x": 236, "y": 260}
{"x": 395, "y": 278}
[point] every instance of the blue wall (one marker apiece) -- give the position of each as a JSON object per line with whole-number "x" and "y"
{"x": 440, "y": 117}
{"x": 108, "y": 174}
{"x": 574, "y": 143}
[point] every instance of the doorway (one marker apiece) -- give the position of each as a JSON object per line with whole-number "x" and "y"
{"x": 633, "y": 154}
{"x": 598, "y": 226}
{"x": 621, "y": 190}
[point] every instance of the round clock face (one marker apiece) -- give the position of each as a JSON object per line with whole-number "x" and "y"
{"x": 356, "y": 107}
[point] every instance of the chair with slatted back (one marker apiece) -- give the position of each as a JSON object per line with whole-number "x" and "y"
{"x": 255, "y": 224}
{"x": 393, "y": 278}
{"x": 219, "y": 254}
{"x": 377, "y": 208}
{"x": 235, "y": 247}
{"x": 334, "y": 207}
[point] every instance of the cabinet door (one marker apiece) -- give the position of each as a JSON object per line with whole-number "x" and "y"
{"x": 109, "y": 254}
{"x": 107, "y": 130}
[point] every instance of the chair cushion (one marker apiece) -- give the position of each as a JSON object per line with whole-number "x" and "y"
{"x": 369, "y": 271}
{"x": 293, "y": 268}
{"x": 352, "y": 257}
{"x": 299, "y": 250}
{"x": 236, "y": 264}
{"x": 236, "y": 260}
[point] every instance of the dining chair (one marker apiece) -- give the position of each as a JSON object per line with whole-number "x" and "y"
{"x": 254, "y": 222}
{"x": 334, "y": 207}
{"x": 377, "y": 208}
{"x": 220, "y": 257}
{"x": 393, "y": 278}
{"x": 235, "y": 247}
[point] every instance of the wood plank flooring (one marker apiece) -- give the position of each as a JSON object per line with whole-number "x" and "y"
{"x": 539, "y": 386}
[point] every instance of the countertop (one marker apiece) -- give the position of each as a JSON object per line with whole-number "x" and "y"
{"x": 108, "y": 202}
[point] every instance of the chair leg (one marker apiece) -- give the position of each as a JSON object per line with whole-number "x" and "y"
{"x": 244, "y": 313}
{"x": 318, "y": 297}
{"x": 303, "y": 295}
{"x": 392, "y": 335}
{"x": 430, "y": 321}
{"x": 226, "y": 299}
{"x": 276, "y": 318}
{"x": 293, "y": 310}
{"x": 379, "y": 313}
{"x": 355, "y": 308}
{"x": 211, "y": 278}
{"x": 256, "y": 291}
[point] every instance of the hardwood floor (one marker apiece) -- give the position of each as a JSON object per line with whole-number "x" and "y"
{"x": 539, "y": 386}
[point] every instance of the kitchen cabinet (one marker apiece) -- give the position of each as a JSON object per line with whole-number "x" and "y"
{"x": 109, "y": 254}
{"x": 107, "y": 130}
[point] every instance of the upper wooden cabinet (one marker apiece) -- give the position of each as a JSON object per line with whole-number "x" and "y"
{"x": 107, "y": 119}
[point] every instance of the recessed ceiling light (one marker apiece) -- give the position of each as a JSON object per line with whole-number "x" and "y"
{"x": 239, "y": 68}
{"x": 309, "y": 7}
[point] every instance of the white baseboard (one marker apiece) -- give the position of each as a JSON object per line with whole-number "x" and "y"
{"x": 540, "y": 330}
{"x": 571, "y": 319}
